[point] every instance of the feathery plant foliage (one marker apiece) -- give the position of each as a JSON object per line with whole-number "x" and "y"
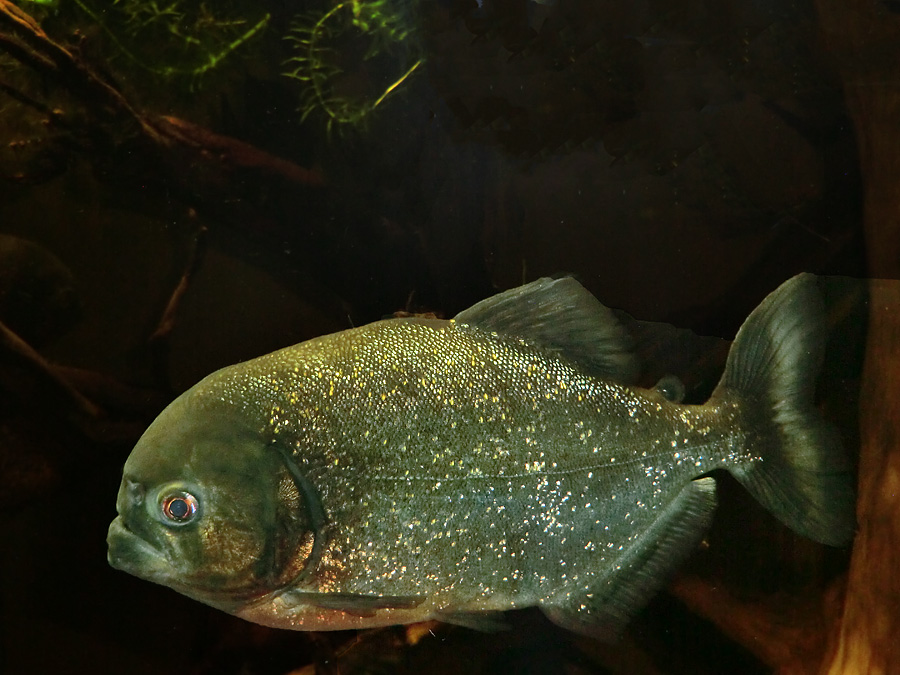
{"x": 348, "y": 56}
{"x": 353, "y": 57}
{"x": 192, "y": 37}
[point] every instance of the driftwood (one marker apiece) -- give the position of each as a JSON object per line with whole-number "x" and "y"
{"x": 15, "y": 350}
{"x": 786, "y": 632}
{"x": 102, "y": 408}
{"x": 134, "y": 152}
{"x": 869, "y": 637}
{"x": 195, "y": 163}
{"x": 864, "y": 39}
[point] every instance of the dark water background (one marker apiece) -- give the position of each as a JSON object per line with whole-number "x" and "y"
{"x": 679, "y": 158}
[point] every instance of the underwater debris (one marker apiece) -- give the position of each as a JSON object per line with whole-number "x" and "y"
{"x": 353, "y": 57}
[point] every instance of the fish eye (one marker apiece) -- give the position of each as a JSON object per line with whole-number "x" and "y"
{"x": 179, "y": 507}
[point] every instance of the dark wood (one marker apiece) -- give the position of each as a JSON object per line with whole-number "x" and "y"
{"x": 128, "y": 146}
{"x": 864, "y": 39}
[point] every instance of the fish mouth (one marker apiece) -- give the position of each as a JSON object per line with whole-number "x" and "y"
{"x": 131, "y": 553}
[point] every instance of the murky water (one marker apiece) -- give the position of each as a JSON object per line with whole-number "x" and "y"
{"x": 304, "y": 167}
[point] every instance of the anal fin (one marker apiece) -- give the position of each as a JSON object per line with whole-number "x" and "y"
{"x": 486, "y": 622}
{"x": 643, "y": 568}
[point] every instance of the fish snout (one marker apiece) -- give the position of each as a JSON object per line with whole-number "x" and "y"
{"x": 129, "y": 552}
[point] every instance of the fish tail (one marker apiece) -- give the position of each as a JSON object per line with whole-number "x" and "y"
{"x": 800, "y": 473}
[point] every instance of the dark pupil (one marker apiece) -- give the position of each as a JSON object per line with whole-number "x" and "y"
{"x": 178, "y": 508}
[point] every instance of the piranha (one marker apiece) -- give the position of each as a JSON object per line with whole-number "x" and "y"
{"x": 415, "y": 468}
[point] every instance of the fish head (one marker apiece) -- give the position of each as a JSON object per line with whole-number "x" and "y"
{"x": 207, "y": 507}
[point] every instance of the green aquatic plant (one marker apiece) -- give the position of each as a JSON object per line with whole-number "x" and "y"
{"x": 190, "y": 36}
{"x": 348, "y": 58}
{"x": 353, "y": 57}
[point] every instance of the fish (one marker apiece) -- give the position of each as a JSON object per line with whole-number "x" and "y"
{"x": 415, "y": 468}
{"x": 39, "y": 300}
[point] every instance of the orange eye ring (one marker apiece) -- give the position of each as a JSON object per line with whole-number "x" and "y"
{"x": 180, "y": 507}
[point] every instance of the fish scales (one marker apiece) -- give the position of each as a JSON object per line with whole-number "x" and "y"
{"x": 420, "y": 468}
{"x": 528, "y": 458}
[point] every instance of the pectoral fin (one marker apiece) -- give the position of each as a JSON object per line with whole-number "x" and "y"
{"x": 642, "y": 570}
{"x": 358, "y": 605}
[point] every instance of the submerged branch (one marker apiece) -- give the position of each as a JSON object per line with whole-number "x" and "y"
{"x": 787, "y": 633}
{"x": 159, "y": 340}
{"x": 195, "y": 164}
{"x": 24, "y": 40}
{"x": 102, "y": 408}
{"x": 25, "y": 99}
{"x": 167, "y": 322}
{"x": 234, "y": 154}
{"x": 15, "y": 349}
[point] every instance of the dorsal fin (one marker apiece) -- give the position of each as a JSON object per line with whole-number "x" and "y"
{"x": 560, "y": 314}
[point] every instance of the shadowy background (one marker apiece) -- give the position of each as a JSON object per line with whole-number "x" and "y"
{"x": 681, "y": 159}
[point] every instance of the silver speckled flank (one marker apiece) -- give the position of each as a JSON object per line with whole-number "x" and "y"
{"x": 470, "y": 468}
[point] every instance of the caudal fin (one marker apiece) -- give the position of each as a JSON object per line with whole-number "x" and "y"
{"x": 802, "y": 475}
